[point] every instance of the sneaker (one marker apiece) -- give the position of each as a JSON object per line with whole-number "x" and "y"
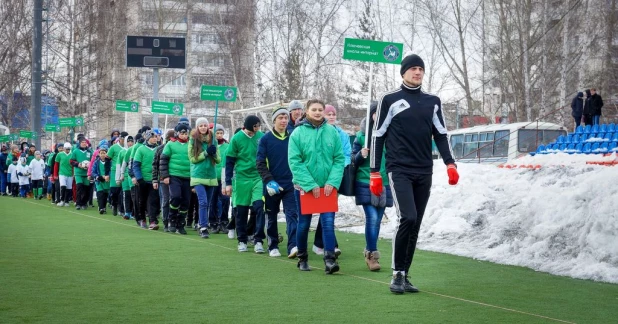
{"x": 115, "y": 211}
{"x": 409, "y": 287}
{"x": 84, "y": 207}
{"x": 60, "y": 204}
{"x": 126, "y": 217}
{"x": 214, "y": 229}
{"x": 204, "y": 232}
{"x": 274, "y": 253}
{"x": 231, "y": 234}
{"x": 222, "y": 229}
{"x": 337, "y": 252}
{"x": 101, "y": 211}
{"x": 242, "y": 247}
{"x": 172, "y": 228}
{"x": 317, "y": 250}
{"x": 153, "y": 226}
{"x": 398, "y": 283}
{"x": 166, "y": 229}
{"x": 293, "y": 253}
{"x": 142, "y": 224}
{"x": 181, "y": 230}
{"x": 195, "y": 227}
{"x": 258, "y": 248}
{"x": 78, "y": 207}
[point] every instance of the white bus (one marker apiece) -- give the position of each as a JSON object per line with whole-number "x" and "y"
{"x": 499, "y": 143}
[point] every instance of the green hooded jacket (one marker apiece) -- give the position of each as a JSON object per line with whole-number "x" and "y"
{"x": 315, "y": 156}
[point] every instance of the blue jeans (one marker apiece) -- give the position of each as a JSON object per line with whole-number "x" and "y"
{"x": 219, "y": 207}
{"x": 328, "y": 231}
{"x": 204, "y": 196}
{"x": 373, "y": 219}
{"x": 291, "y": 217}
{"x": 3, "y": 183}
{"x": 596, "y": 119}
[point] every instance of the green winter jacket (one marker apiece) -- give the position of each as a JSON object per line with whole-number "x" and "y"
{"x": 363, "y": 170}
{"x": 315, "y": 156}
{"x": 221, "y": 165}
{"x": 174, "y": 160}
{"x": 203, "y": 168}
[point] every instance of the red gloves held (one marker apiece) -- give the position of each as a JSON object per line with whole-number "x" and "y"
{"x": 375, "y": 183}
{"x": 453, "y": 176}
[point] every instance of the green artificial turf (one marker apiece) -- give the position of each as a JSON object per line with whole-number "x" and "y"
{"x": 65, "y": 266}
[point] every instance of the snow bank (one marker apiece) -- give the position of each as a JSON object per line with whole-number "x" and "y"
{"x": 561, "y": 219}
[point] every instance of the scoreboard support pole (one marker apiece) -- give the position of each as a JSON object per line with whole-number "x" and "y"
{"x": 155, "y": 95}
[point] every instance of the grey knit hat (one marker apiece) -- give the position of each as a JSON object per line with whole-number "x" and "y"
{"x": 295, "y": 104}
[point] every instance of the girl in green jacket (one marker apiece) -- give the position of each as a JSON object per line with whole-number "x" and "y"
{"x": 316, "y": 160}
{"x": 204, "y": 156}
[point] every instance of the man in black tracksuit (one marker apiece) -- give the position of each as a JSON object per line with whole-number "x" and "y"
{"x": 407, "y": 118}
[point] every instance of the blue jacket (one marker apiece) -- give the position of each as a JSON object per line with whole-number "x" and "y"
{"x": 272, "y": 159}
{"x": 99, "y": 173}
{"x": 345, "y": 144}
{"x": 3, "y": 157}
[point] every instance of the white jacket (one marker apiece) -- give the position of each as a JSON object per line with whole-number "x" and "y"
{"x": 37, "y": 168}
{"x": 23, "y": 179}
{"x": 13, "y": 172}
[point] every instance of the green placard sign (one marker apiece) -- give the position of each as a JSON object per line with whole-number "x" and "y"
{"x": 13, "y": 137}
{"x": 128, "y": 106}
{"x": 5, "y": 138}
{"x": 210, "y": 92}
{"x": 372, "y": 51}
{"x": 170, "y": 108}
{"x": 26, "y": 134}
{"x": 52, "y": 128}
{"x": 71, "y": 122}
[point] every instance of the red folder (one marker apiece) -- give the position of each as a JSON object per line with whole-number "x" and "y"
{"x": 323, "y": 204}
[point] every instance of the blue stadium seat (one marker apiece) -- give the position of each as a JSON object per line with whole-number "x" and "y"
{"x": 600, "y": 135}
{"x": 571, "y": 148}
{"x": 579, "y": 147}
{"x": 569, "y": 139}
{"x": 579, "y": 129}
{"x": 575, "y": 138}
{"x": 595, "y": 147}
{"x": 612, "y": 146}
{"x": 562, "y": 147}
{"x": 555, "y": 147}
{"x": 604, "y": 147}
{"x": 615, "y": 138}
{"x": 608, "y": 136}
{"x": 595, "y": 129}
{"x": 603, "y": 128}
{"x": 611, "y": 127}
{"x": 560, "y": 139}
{"x": 587, "y": 129}
{"x": 592, "y": 135}
{"x": 586, "y": 148}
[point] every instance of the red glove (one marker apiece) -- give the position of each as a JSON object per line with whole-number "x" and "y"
{"x": 453, "y": 176}
{"x": 375, "y": 183}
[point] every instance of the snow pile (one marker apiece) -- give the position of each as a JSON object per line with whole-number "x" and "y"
{"x": 561, "y": 219}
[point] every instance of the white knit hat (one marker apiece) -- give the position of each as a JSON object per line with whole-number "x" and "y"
{"x": 201, "y": 121}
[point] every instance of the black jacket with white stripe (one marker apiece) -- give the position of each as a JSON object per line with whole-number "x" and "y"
{"x": 407, "y": 120}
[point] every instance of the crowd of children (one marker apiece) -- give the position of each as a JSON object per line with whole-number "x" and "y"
{"x": 193, "y": 177}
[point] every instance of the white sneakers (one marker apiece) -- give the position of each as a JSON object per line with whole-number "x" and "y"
{"x": 231, "y": 234}
{"x": 258, "y": 248}
{"x": 317, "y": 250}
{"x": 62, "y": 204}
{"x": 242, "y": 247}
{"x": 293, "y": 253}
{"x": 274, "y": 253}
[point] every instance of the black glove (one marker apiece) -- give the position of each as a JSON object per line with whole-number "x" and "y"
{"x": 141, "y": 182}
{"x": 100, "y": 179}
{"x": 212, "y": 150}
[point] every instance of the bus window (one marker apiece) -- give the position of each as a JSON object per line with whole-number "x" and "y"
{"x": 501, "y": 143}
{"x": 471, "y": 146}
{"x": 486, "y": 145}
{"x": 550, "y": 136}
{"x": 457, "y": 145}
{"x": 528, "y": 140}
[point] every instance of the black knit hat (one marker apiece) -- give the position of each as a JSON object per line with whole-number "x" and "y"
{"x": 130, "y": 139}
{"x": 124, "y": 134}
{"x": 410, "y": 61}
{"x": 182, "y": 127}
{"x": 251, "y": 121}
{"x": 139, "y": 138}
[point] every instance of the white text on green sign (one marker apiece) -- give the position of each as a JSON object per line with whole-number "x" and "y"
{"x": 169, "y": 108}
{"x": 372, "y": 51}
{"x": 128, "y": 106}
{"x": 210, "y": 92}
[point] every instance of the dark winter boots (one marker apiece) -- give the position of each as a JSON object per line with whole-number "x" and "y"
{"x": 330, "y": 262}
{"x": 302, "y": 261}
